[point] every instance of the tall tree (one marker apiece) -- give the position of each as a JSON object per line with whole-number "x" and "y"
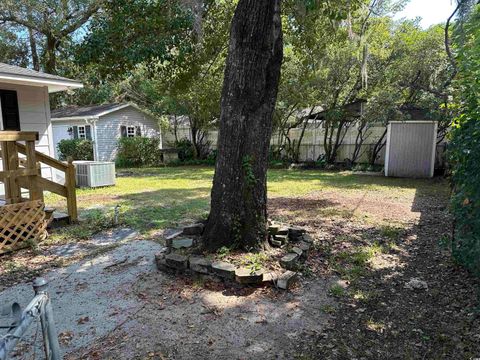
{"x": 238, "y": 212}
{"x": 54, "y": 20}
{"x": 12, "y": 49}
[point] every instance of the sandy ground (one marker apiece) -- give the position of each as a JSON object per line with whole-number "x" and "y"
{"x": 117, "y": 305}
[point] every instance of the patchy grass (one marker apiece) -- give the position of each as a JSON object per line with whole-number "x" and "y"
{"x": 152, "y": 199}
{"x": 337, "y": 290}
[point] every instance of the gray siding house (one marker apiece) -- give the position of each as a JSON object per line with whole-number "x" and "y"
{"x": 104, "y": 125}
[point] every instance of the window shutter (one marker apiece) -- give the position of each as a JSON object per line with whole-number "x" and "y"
{"x": 123, "y": 131}
{"x": 88, "y": 132}
{"x": 138, "y": 131}
{"x": 10, "y": 112}
{"x": 75, "y": 132}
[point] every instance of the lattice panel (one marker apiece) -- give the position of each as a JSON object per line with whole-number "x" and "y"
{"x": 20, "y": 223}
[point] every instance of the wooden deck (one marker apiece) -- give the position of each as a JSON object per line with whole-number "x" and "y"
{"x": 23, "y": 219}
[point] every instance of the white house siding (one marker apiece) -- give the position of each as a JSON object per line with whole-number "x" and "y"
{"x": 108, "y": 130}
{"x": 34, "y": 109}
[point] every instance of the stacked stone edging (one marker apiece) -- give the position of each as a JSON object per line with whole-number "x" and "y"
{"x": 279, "y": 236}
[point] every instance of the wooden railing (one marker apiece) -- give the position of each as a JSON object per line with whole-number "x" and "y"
{"x": 26, "y": 173}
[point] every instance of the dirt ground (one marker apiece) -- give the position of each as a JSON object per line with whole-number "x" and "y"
{"x": 380, "y": 316}
{"x": 380, "y": 284}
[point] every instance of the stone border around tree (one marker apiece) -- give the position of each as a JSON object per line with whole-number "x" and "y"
{"x": 280, "y": 235}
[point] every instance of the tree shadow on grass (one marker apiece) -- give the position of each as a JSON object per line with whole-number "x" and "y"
{"x": 163, "y": 208}
{"x": 348, "y": 179}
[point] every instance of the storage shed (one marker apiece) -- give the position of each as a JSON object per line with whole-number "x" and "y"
{"x": 410, "y": 149}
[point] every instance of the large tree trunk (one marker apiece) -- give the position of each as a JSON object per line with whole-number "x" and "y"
{"x": 51, "y": 56}
{"x": 238, "y": 214}
{"x": 33, "y": 50}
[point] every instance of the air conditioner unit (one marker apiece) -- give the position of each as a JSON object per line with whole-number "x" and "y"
{"x": 94, "y": 173}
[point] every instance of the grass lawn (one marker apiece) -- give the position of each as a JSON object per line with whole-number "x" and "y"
{"x": 372, "y": 236}
{"x": 155, "y": 198}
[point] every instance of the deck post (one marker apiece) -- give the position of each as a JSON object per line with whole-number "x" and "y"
{"x": 70, "y": 184}
{"x": 36, "y": 192}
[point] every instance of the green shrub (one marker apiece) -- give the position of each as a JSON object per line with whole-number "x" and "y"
{"x": 185, "y": 149}
{"x": 78, "y": 149}
{"x": 138, "y": 151}
{"x": 464, "y": 153}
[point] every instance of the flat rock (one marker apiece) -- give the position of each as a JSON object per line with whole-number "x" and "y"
{"x": 273, "y": 229}
{"x": 275, "y": 243}
{"x": 224, "y": 270}
{"x": 269, "y": 278}
{"x": 182, "y": 243}
{"x": 286, "y": 280}
{"x": 298, "y": 251}
{"x": 200, "y": 264}
{"x": 161, "y": 263}
{"x": 282, "y": 230}
{"x": 195, "y": 229}
{"x": 170, "y": 234}
{"x": 246, "y": 276}
{"x": 177, "y": 261}
{"x": 282, "y": 238}
{"x": 289, "y": 261}
{"x": 307, "y": 238}
{"x": 295, "y": 232}
{"x": 305, "y": 246}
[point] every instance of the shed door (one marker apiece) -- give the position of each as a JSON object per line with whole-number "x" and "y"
{"x": 411, "y": 149}
{"x": 10, "y": 113}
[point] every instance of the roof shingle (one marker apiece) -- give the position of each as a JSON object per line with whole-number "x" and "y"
{"x": 84, "y": 111}
{"x": 6, "y": 69}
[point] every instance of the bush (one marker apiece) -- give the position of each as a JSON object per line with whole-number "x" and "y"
{"x": 464, "y": 154}
{"x": 138, "y": 151}
{"x": 78, "y": 149}
{"x": 184, "y": 148}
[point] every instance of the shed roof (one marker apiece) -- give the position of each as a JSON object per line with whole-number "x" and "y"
{"x": 90, "y": 111}
{"x": 13, "y": 74}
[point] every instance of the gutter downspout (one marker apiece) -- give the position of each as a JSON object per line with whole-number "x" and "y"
{"x": 93, "y": 123}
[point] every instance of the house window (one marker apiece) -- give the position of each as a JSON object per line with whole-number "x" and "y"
{"x": 130, "y": 131}
{"x": 82, "y": 133}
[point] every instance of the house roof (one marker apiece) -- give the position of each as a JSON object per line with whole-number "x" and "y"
{"x": 81, "y": 112}
{"x": 352, "y": 110}
{"x": 12, "y": 74}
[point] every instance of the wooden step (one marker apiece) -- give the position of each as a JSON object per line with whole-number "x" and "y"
{"x": 59, "y": 219}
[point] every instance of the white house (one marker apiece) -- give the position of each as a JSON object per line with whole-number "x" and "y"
{"x": 25, "y": 106}
{"x": 104, "y": 125}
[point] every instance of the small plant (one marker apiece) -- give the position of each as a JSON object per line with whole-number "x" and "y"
{"x": 445, "y": 242}
{"x": 255, "y": 261}
{"x": 337, "y": 290}
{"x": 328, "y": 309}
{"x": 390, "y": 232}
{"x": 223, "y": 252}
{"x": 248, "y": 170}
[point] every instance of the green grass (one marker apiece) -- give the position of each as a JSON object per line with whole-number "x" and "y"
{"x": 152, "y": 199}
{"x": 337, "y": 290}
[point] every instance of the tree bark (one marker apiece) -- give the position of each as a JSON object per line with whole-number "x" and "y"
{"x": 238, "y": 214}
{"x": 33, "y": 50}
{"x": 50, "y": 55}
